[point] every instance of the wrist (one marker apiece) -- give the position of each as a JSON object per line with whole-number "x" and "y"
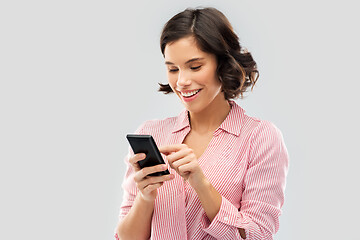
{"x": 144, "y": 200}
{"x": 200, "y": 184}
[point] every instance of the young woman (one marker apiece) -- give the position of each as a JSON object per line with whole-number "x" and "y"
{"x": 227, "y": 169}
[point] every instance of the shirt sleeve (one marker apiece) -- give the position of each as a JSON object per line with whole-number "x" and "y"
{"x": 263, "y": 190}
{"x": 116, "y": 236}
{"x": 129, "y": 189}
{"x": 128, "y": 185}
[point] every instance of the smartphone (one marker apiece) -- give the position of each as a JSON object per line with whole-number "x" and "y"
{"x": 146, "y": 144}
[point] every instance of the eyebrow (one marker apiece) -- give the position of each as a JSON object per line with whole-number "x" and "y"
{"x": 188, "y": 61}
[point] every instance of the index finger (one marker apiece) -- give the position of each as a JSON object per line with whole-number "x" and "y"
{"x": 171, "y": 148}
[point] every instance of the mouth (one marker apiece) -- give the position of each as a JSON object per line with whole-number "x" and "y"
{"x": 188, "y": 94}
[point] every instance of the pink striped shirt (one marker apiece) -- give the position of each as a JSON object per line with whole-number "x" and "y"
{"x": 246, "y": 161}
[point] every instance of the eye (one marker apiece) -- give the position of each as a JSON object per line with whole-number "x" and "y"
{"x": 195, "y": 68}
{"x": 173, "y": 70}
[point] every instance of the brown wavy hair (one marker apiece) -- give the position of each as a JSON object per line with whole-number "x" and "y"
{"x": 214, "y": 34}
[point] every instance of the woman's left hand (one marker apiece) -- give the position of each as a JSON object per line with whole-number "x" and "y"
{"x": 183, "y": 160}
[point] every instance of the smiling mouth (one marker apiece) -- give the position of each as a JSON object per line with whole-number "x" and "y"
{"x": 189, "y": 93}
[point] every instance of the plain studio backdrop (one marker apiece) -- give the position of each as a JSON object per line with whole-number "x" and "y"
{"x": 76, "y": 76}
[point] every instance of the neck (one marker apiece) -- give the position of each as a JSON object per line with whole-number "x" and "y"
{"x": 210, "y": 118}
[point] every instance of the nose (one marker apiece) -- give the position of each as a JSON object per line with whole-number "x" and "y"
{"x": 183, "y": 79}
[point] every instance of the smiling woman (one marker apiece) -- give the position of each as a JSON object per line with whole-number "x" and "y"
{"x": 227, "y": 170}
{"x": 192, "y": 75}
{"x": 213, "y": 33}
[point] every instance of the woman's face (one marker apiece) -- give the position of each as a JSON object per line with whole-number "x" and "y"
{"x": 192, "y": 74}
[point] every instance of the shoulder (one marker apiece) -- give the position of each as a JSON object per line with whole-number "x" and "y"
{"x": 246, "y": 126}
{"x": 156, "y": 125}
{"x": 266, "y": 127}
{"x": 262, "y": 130}
{"x": 159, "y": 129}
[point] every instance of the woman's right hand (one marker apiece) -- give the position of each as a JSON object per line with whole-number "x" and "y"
{"x": 148, "y": 185}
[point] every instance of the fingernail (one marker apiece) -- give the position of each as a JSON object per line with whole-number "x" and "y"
{"x": 164, "y": 167}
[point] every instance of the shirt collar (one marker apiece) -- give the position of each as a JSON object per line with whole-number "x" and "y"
{"x": 232, "y": 123}
{"x": 182, "y": 121}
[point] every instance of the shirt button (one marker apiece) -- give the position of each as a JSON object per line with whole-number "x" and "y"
{"x": 226, "y": 218}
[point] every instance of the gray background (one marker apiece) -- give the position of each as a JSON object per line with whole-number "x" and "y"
{"x": 76, "y": 76}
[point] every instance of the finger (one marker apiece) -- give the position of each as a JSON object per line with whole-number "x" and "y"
{"x": 187, "y": 159}
{"x": 180, "y": 154}
{"x": 137, "y": 157}
{"x": 187, "y": 168}
{"x": 171, "y": 148}
{"x": 133, "y": 160}
{"x": 141, "y": 174}
{"x": 148, "y": 189}
{"x": 154, "y": 180}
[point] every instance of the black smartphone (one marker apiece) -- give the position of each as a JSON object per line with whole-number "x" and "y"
{"x": 146, "y": 144}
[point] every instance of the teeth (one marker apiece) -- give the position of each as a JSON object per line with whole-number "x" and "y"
{"x": 189, "y": 94}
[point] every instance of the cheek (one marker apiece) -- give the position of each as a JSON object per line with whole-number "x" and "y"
{"x": 172, "y": 80}
{"x": 209, "y": 78}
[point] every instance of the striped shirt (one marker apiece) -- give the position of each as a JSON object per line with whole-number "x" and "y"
{"x": 246, "y": 161}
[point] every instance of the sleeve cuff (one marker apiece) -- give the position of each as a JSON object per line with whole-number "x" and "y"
{"x": 227, "y": 222}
